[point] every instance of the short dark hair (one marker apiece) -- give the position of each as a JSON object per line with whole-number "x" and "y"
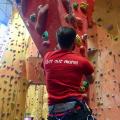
{"x": 66, "y": 37}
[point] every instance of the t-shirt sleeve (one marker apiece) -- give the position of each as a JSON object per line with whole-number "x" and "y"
{"x": 46, "y": 55}
{"x": 87, "y": 67}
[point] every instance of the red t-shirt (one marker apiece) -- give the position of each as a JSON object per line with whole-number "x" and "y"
{"x": 63, "y": 74}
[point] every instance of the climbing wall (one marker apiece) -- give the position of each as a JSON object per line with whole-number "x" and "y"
{"x": 36, "y": 98}
{"x": 36, "y": 104}
{"x": 104, "y": 40}
{"x": 13, "y": 82}
{"x": 105, "y": 36}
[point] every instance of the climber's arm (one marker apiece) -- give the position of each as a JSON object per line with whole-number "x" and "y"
{"x": 88, "y": 71}
{"x": 90, "y": 78}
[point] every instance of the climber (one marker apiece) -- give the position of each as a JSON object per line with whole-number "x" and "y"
{"x": 63, "y": 74}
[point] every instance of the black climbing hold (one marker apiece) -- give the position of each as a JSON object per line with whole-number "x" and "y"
{"x": 110, "y": 53}
{"x": 116, "y": 39}
{"x": 99, "y": 25}
{"x": 99, "y": 20}
{"x": 92, "y": 36}
{"x": 101, "y": 74}
{"x": 94, "y": 62}
{"x": 113, "y": 70}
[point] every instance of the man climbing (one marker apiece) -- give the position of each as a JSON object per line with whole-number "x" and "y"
{"x": 64, "y": 71}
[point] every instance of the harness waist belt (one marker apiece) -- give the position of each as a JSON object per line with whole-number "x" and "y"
{"x": 62, "y": 107}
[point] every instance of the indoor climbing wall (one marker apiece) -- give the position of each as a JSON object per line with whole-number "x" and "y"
{"x": 36, "y": 98}
{"x": 36, "y": 104}
{"x": 20, "y": 63}
{"x": 105, "y": 36}
{"x": 104, "y": 41}
{"x": 13, "y": 82}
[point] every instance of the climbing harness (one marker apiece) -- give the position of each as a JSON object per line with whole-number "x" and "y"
{"x": 90, "y": 117}
{"x": 65, "y": 112}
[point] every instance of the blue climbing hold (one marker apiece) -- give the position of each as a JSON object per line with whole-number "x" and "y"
{"x": 45, "y": 35}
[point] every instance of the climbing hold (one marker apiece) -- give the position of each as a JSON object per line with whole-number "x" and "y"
{"x": 91, "y": 51}
{"x": 5, "y": 82}
{"x": 84, "y": 37}
{"x": 8, "y": 98}
{"x": 15, "y": 82}
{"x": 75, "y": 5}
{"x": 2, "y": 98}
{"x": 110, "y": 27}
{"x": 110, "y": 53}
{"x": 84, "y": 7}
{"x": 78, "y": 40}
{"x": 8, "y": 114}
{"x": 99, "y": 20}
{"x": 107, "y": 95}
{"x": 99, "y": 104}
{"x": 116, "y": 38}
{"x": 113, "y": 70}
{"x": 85, "y": 84}
{"x": 94, "y": 62}
{"x": 82, "y": 89}
{"x": 17, "y": 110}
{"x": 101, "y": 75}
{"x": 33, "y": 17}
{"x": 46, "y": 43}
{"x": 3, "y": 115}
{"x": 4, "y": 90}
{"x": 113, "y": 96}
{"x": 118, "y": 106}
{"x": 27, "y": 114}
{"x": 45, "y": 35}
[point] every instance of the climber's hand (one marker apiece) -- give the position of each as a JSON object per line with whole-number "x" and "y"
{"x": 90, "y": 78}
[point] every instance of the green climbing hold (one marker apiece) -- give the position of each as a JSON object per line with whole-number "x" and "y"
{"x": 75, "y": 5}
{"x": 45, "y": 35}
{"x": 82, "y": 89}
{"x": 33, "y": 17}
{"x": 85, "y": 84}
